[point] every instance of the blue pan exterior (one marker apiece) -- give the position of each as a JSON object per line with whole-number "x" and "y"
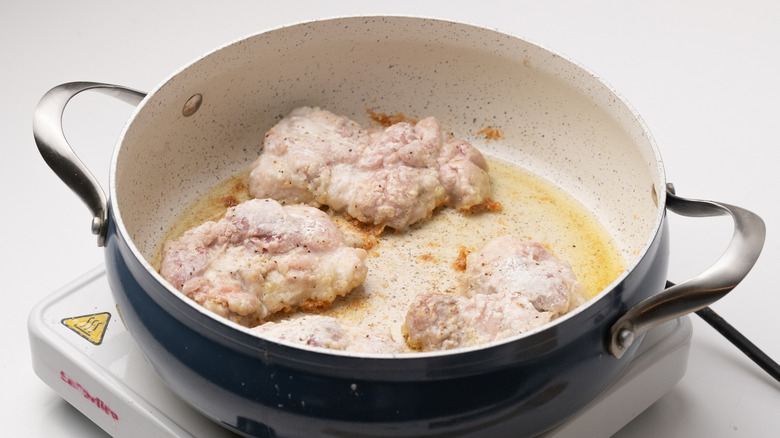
{"x": 260, "y": 388}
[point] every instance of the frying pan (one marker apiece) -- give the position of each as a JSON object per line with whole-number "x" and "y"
{"x": 204, "y": 124}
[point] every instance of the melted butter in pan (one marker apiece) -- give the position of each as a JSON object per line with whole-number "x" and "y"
{"x": 423, "y": 259}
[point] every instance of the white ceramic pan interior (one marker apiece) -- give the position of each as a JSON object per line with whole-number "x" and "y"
{"x": 557, "y": 119}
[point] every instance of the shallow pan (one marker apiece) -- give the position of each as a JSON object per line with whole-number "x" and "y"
{"x": 205, "y": 124}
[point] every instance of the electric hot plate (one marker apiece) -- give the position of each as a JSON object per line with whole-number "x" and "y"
{"x": 80, "y": 348}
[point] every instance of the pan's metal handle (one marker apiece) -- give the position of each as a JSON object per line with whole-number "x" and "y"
{"x": 56, "y": 151}
{"x": 702, "y": 290}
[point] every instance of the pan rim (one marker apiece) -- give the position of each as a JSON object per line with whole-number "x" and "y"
{"x": 263, "y": 342}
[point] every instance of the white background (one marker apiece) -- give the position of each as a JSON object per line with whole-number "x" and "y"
{"x": 703, "y": 74}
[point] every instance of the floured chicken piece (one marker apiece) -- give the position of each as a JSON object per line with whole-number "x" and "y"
{"x": 511, "y": 286}
{"x": 386, "y": 177}
{"x": 328, "y": 332}
{"x": 262, "y": 258}
{"x": 507, "y": 264}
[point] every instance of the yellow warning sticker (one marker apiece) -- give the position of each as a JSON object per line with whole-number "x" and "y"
{"x": 90, "y": 327}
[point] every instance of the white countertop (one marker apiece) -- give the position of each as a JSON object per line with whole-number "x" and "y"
{"x": 704, "y": 75}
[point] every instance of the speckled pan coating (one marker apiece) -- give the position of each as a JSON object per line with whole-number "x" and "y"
{"x": 558, "y": 119}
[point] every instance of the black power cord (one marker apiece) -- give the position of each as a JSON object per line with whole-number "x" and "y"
{"x": 740, "y": 341}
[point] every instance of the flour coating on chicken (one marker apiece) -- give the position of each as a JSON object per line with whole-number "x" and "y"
{"x": 511, "y": 286}
{"x": 329, "y": 332}
{"x": 262, "y": 258}
{"x": 386, "y": 177}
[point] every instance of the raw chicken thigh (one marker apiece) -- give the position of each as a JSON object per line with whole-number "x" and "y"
{"x": 391, "y": 177}
{"x": 262, "y": 258}
{"x": 511, "y": 286}
{"x": 328, "y": 332}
